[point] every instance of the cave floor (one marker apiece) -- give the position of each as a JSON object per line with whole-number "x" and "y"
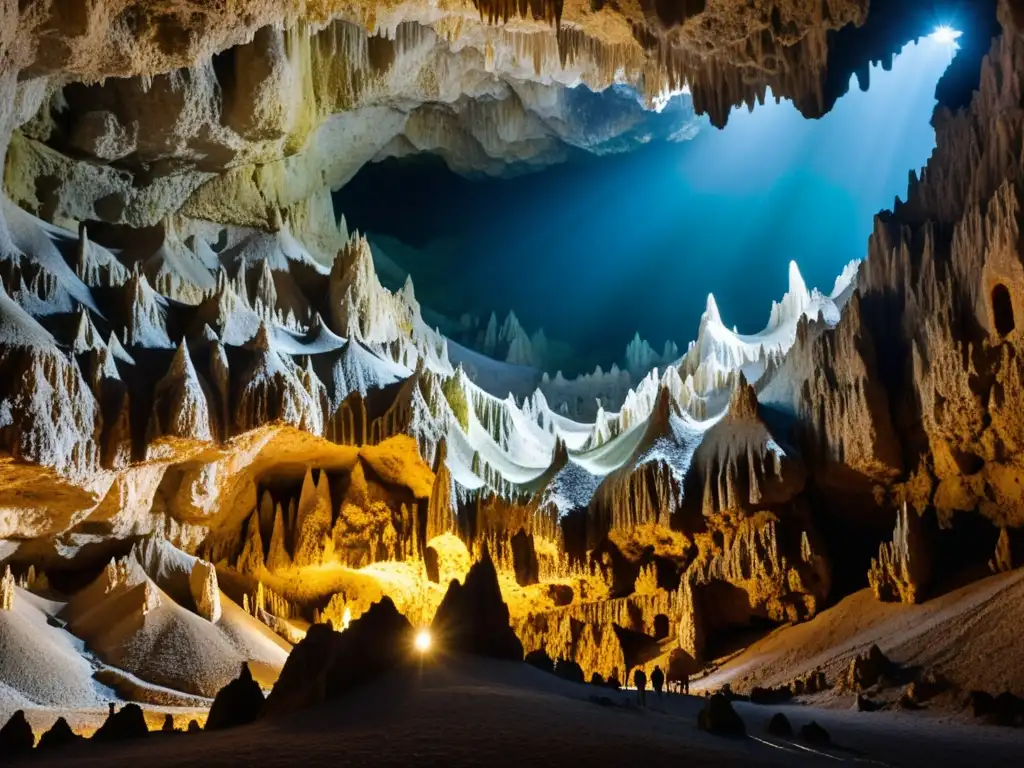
{"x": 468, "y": 711}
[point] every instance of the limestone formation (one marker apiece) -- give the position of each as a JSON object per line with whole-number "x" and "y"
{"x": 59, "y": 735}
{"x": 866, "y": 670}
{"x": 237, "y": 703}
{"x": 719, "y": 717}
{"x": 126, "y": 723}
{"x": 185, "y": 328}
{"x": 903, "y": 568}
{"x": 473, "y": 617}
{"x": 815, "y": 735}
{"x": 203, "y": 583}
{"x": 7, "y": 590}
{"x": 16, "y": 737}
{"x": 326, "y": 663}
{"x": 780, "y": 726}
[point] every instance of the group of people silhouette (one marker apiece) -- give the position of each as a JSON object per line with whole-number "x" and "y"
{"x": 657, "y": 683}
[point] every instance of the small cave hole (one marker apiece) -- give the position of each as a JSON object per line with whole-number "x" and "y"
{"x": 661, "y": 626}
{"x": 1002, "y": 310}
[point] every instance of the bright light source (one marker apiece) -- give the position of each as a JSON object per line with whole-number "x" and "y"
{"x": 946, "y": 35}
{"x": 422, "y": 641}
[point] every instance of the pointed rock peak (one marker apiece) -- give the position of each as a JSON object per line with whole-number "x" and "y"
{"x": 440, "y": 456}
{"x": 86, "y": 337}
{"x": 181, "y": 364}
{"x": 108, "y": 365}
{"x": 560, "y": 455}
{"x": 343, "y": 227}
{"x": 208, "y": 334}
{"x": 797, "y": 286}
{"x": 308, "y": 491}
{"x": 262, "y": 340}
{"x": 743, "y": 400}
{"x": 711, "y": 312}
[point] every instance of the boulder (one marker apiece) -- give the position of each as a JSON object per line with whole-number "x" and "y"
{"x": 326, "y": 663}
{"x": 720, "y": 718}
{"x": 1004, "y": 709}
{"x": 473, "y": 618}
{"x": 863, "y": 704}
{"x": 59, "y": 735}
{"x": 540, "y": 660}
{"x": 596, "y": 679}
{"x": 814, "y": 734}
{"x": 569, "y": 670}
{"x": 780, "y": 726}
{"x": 168, "y": 726}
{"x": 126, "y": 723}
{"x": 16, "y": 736}
{"x": 763, "y": 696}
{"x": 867, "y": 670}
{"x": 193, "y": 727}
{"x": 237, "y": 703}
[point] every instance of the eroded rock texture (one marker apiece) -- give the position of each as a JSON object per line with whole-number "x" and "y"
{"x": 193, "y": 348}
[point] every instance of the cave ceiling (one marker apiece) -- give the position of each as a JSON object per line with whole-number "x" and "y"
{"x": 132, "y": 112}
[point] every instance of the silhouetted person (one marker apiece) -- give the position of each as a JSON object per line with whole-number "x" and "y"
{"x": 657, "y": 680}
{"x": 110, "y": 706}
{"x": 684, "y": 684}
{"x": 640, "y": 681}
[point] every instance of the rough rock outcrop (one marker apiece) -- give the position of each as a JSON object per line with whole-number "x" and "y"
{"x": 7, "y": 590}
{"x": 59, "y": 735}
{"x": 903, "y": 568}
{"x": 128, "y": 722}
{"x": 473, "y": 617}
{"x": 866, "y": 670}
{"x": 327, "y": 663}
{"x": 237, "y": 703}
{"x": 180, "y": 403}
{"x": 720, "y": 718}
{"x": 16, "y": 737}
{"x": 203, "y": 583}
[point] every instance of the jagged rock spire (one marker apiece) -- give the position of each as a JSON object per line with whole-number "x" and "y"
{"x": 250, "y": 562}
{"x": 205, "y": 592}
{"x": 180, "y": 406}
{"x": 441, "y": 507}
{"x": 7, "y": 590}
{"x": 314, "y": 518}
{"x": 277, "y": 556}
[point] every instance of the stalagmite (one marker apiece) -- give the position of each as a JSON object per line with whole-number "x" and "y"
{"x": 205, "y": 592}
{"x": 313, "y": 520}
{"x": 277, "y": 556}
{"x": 7, "y": 590}
{"x": 903, "y": 568}
{"x": 250, "y": 561}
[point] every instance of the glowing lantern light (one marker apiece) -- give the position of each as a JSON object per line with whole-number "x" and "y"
{"x": 422, "y": 641}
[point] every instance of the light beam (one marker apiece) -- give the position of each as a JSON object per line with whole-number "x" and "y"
{"x": 946, "y": 35}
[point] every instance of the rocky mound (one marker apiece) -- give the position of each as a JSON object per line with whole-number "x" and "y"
{"x": 720, "y": 718}
{"x": 59, "y": 735}
{"x": 237, "y": 703}
{"x": 129, "y": 722}
{"x": 327, "y": 663}
{"x": 16, "y": 736}
{"x": 473, "y": 617}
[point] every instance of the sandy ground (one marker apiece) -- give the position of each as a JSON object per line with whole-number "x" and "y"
{"x": 467, "y": 711}
{"x": 972, "y": 635}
